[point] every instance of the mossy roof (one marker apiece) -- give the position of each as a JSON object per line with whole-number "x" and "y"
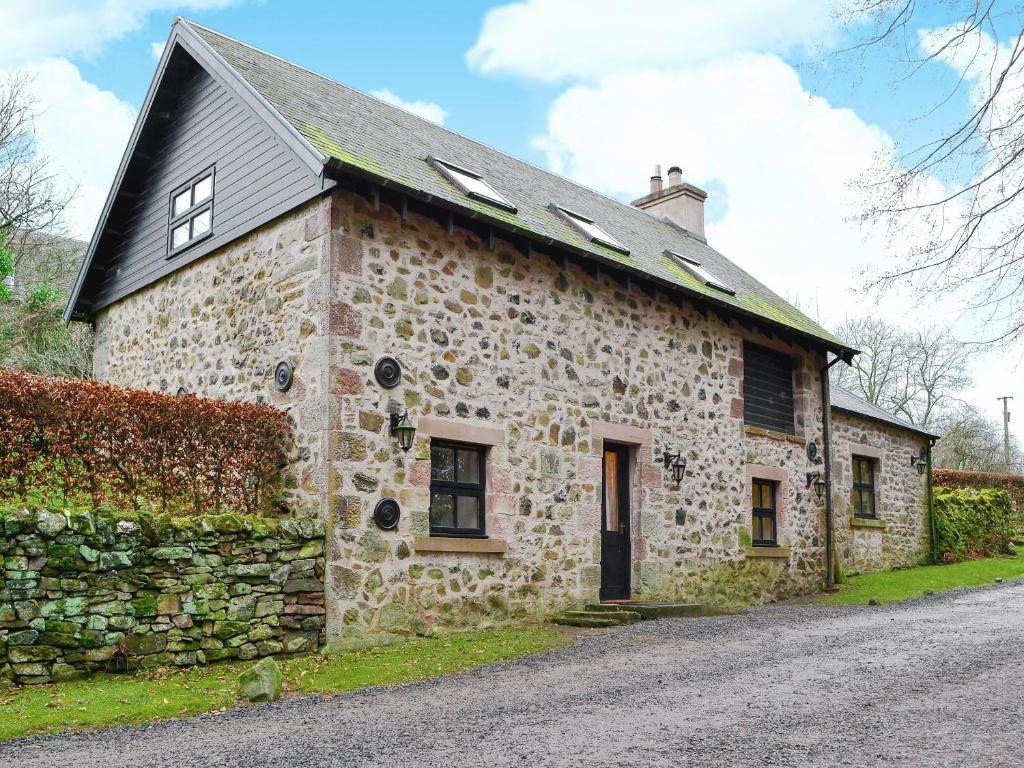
{"x": 374, "y": 138}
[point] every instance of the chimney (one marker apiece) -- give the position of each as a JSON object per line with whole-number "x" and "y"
{"x": 656, "y": 181}
{"x": 681, "y": 202}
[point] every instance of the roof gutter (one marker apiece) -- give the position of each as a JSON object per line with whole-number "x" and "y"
{"x": 335, "y": 168}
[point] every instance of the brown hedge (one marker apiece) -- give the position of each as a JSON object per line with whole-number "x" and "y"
{"x": 135, "y": 448}
{"x": 959, "y": 478}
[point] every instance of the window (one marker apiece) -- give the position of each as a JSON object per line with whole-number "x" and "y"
{"x": 694, "y": 267}
{"x": 590, "y": 229}
{"x": 472, "y": 184}
{"x": 767, "y": 389}
{"x": 457, "y": 474}
{"x": 764, "y": 518}
{"x": 191, "y": 212}
{"x": 863, "y": 493}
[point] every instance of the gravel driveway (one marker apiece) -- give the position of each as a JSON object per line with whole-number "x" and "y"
{"x": 936, "y": 681}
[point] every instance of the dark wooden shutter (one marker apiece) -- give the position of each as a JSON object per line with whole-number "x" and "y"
{"x": 767, "y": 388}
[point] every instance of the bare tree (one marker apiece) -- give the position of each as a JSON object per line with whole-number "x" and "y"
{"x": 911, "y": 374}
{"x": 971, "y": 441}
{"x": 959, "y": 197}
{"x": 35, "y": 258}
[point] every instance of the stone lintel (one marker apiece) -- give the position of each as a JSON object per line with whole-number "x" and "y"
{"x": 456, "y": 544}
{"x": 621, "y": 433}
{"x": 460, "y": 430}
{"x": 774, "y": 435}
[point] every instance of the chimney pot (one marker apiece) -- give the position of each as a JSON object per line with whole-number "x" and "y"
{"x": 656, "y": 185}
{"x": 675, "y": 176}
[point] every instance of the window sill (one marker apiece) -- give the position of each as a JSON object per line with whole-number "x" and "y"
{"x": 773, "y": 435}
{"x": 868, "y": 522}
{"x": 459, "y": 544}
{"x": 774, "y": 552}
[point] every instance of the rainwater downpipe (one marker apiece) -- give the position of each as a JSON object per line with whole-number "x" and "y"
{"x": 933, "y": 532}
{"x": 826, "y": 425}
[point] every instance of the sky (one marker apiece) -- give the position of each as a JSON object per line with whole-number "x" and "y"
{"x": 746, "y": 96}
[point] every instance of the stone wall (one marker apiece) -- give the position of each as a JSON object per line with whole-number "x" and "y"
{"x": 542, "y": 364}
{"x": 899, "y": 537}
{"x": 219, "y": 327}
{"x": 84, "y": 591}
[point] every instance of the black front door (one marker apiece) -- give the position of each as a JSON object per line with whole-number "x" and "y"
{"x": 615, "y": 523}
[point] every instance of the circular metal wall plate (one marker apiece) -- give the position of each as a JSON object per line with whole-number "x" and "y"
{"x": 387, "y": 514}
{"x": 812, "y": 451}
{"x": 388, "y": 372}
{"x": 284, "y": 374}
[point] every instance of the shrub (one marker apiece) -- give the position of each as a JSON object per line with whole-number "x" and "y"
{"x": 111, "y": 444}
{"x": 974, "y": 523}
{"x": 958, "y": 478}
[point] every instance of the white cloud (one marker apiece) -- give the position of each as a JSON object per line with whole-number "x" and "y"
{"x": 554, "y": 40}
{"x": 35, "y": 29}
{"x": 156, "y": 48}
{"x": 777, "y": 160}
{"x": 83, "y": 130}
{"x": 428, "y": 110}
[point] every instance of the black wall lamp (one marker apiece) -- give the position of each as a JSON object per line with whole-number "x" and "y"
{"x": 677, "y": 463}
{"x": 403, "y": 428}
{"x": 815, "y": 479}
{"x": 919, "y": 461}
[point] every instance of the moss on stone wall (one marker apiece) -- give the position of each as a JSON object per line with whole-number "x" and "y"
{"x": 108, "y": 590}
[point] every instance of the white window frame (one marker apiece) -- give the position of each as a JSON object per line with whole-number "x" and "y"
{"x": 698, "y": 270}
{"x": 589, "y": 228}
{"x": 188, "y": 216}
{"x": 451, "y": 172}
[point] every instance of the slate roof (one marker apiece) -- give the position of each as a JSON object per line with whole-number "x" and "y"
{"x": 375, "y": 139}
{"x": 844, "y": 400}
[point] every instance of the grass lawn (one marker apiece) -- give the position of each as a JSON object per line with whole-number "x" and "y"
{"x": 108, "y": 700}
{"x": 893, "y": 586}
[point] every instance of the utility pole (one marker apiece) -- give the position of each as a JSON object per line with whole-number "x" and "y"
{"x": 1006, "y": 431}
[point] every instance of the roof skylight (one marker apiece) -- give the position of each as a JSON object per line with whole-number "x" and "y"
{"x": 591, "y": 230}
{"x": 695, "y": 268}
{"x": 471, "y": 184}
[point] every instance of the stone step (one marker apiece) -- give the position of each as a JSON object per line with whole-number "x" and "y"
{"x": 583, "y": 619}
{"x": 663, "y": 610}
{"x": 618, "y": 617}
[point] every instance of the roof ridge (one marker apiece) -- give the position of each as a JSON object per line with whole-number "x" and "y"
{"x": 420, "y": 118}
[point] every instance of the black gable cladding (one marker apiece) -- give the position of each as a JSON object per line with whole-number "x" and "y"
{"x": 194, "y": 122}
{"x": 767, "y": 388}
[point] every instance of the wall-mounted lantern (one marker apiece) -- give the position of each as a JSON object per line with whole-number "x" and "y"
{"x": 919, "y": 461}
{"x": 403, "y": 428}
{"x": 815, "y": 479}
{"x": 677, "y": 463}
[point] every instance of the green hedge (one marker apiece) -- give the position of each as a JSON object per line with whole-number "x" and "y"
{"x": 973, "y": 522}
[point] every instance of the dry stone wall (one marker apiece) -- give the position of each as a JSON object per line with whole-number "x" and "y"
{"x": 900, "y": 537}
{"x": 85, "y": 591}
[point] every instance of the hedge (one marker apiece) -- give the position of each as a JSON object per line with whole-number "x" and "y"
{"x": 959, "y": 478}
{"x": 974, "y": 522}
{"x": 86, "y": 440}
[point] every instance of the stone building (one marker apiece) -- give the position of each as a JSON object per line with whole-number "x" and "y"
{"x": 604, "y": 406}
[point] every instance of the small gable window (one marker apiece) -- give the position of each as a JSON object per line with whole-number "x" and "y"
{"x": 191, "y": 215}
{"x": 589, "y": 228}
{"x": 696, "y": 269}
{"x": 472, "y": 184}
